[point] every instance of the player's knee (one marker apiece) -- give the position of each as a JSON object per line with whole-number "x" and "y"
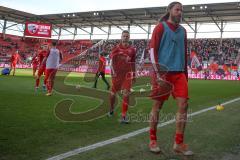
{"x": 112, "y": 93}
{"x": 125, "y": 92}
{"x": 157, "y": 105}
{"x": 182, "y": 102}
{"x": 183, "y": 106}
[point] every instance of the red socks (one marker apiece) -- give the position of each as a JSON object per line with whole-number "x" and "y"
{"x": 153, "y": 135}
{"x": 37, "y": 82}
{"x": 49, "y": 86}
{"x": 112, "y": 102}
{"x": 179, "y": 138}
{"x": 125, "y": 106}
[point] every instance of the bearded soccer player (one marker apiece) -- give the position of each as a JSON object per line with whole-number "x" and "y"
{"x": 123, "y": 73}
{"x": 14, "y": 60}
{"x": 52, "y": 60}
{"x": 101, "y": 71}
{"x": 169, "y": 48}
{"x": 42, "y": 66}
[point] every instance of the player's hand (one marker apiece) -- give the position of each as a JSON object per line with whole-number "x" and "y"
{"x": 133, "y": 74}
{"x": 159, "y": 78}
{"x": 134, "y": 80}
{"x": 113, "y": 74}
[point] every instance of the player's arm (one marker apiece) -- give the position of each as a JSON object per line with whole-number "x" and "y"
{"x": 133, "y": 61}
{"x": 111, "y": 67}
{"x": 154, "y": 47}
{"x": 185, "y": 45}
{"x": 61, "y": 57}
{"x": 111, "y": 61}
{"x": 45, "y": 59}
{"x": 19, "y": 59}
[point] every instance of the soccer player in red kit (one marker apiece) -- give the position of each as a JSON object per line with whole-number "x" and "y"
{"x": 52, "y": 60}
{"x": 168, "y": 48}
{"x": 14, "y": 60}
{"x": 101, "y": 71}
{"x": 123, "y": 73}
{"x": 35, "y": 64}
{"x": 42, "y": 66}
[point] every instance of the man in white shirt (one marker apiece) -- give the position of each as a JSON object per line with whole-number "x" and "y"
{"x": 53, "y": 60}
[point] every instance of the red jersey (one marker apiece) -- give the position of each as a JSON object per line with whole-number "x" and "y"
{"x": 123, "y": 59}
{"x": 102, "y": 64}
{"x": 15, "y": 58}
{"x": 213, "y": 67}
{"x": 35, "y": 61}
{"x": 41, "y": 56}
{"x": 225, "y": 68}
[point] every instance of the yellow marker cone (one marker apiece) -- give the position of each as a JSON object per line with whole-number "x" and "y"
{"x": 219, "y": 107}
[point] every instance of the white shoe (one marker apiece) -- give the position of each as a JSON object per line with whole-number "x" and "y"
{"x": 183, "y": 149}
{"x": 153, "y": 147}
{"x": 48, "y": 94}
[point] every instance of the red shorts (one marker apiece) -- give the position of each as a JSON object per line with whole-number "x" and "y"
{"x": 41, "y": 71}
{"x": 50, "y": 74}
{"x": 13, "y": 64}
{"x": 121, "y": 82}
{"x": 179, "y": 87}
{"x": 35, "y": 67}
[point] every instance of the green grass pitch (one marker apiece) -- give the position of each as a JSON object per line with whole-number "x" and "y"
{"x": 29, "y": 129}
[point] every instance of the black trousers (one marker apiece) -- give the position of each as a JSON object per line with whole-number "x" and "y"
{"x": 102, "y": 74}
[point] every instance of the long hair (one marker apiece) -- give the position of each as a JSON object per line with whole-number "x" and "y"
{"x": 165, "y": 17}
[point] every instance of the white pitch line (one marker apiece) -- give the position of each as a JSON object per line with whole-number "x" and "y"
{"x": 129, "y": 135}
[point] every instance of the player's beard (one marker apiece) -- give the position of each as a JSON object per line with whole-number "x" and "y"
{"x": 176, "y": 19}
{"x": 126, "y": 42}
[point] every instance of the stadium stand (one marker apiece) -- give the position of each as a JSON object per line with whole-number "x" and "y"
{"x": 206, "y": 49}
{"x": 205, "y": 55}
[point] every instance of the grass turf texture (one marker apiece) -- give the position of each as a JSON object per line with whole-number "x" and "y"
{"x": 29, "y": 129}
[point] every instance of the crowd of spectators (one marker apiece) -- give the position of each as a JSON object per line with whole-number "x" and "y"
{"x": 225, "y": 52}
